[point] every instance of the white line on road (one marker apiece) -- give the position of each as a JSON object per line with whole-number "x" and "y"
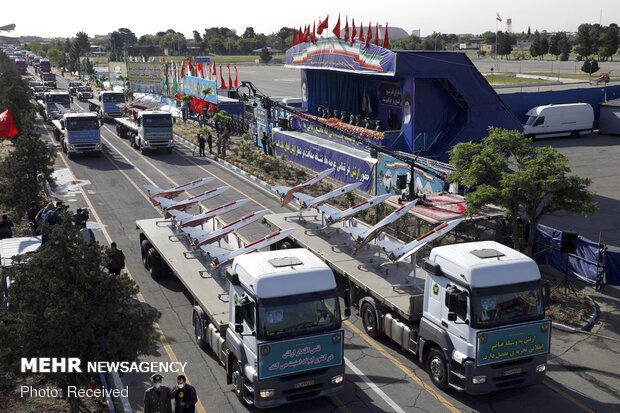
{"x": 128, "y": 161}
{"x": 374, "y": 387}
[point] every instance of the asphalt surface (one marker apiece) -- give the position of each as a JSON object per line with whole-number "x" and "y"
{"x": 379, "y": 375}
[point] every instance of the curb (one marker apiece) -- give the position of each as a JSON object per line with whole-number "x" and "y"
{"x": 230, "y": 166}
{"x": 586, "y": 327}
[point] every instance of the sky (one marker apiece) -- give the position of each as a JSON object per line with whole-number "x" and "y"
{"x": 36, "y": 17}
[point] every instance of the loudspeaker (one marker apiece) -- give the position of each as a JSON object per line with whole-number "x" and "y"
{"x": 568, "y": 243}
{"x": 401, "y": 181}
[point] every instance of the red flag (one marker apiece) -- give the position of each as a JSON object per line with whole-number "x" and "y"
{"x": 353, "y": 31}
{"x": 294, "y": 37}
{"x": 377, "y": 34}
{"x": 223, "y": 84}
{"x": 386, "y": 39}
{"x": 346, "y": 29}
{"x": 337, "y": 28}
{"x": 307, "y": 33}
{"x": 211, "y": 107}
{"x": 229, "y": 78}
{"x": 199, "y": 70}
{"x": 189, "y": 66}
{"x": 178, "y": 96}
{"x": 300, "y": 35}
{"x": 236, "y": 77}
{"x": 369, "y": 35}
{"x": 193, "y": 103}
{"x": 7, "y": 126}
{"x": 214, "y": 71}
{"x": 183, "y": 69}
{"x": 361, "y": 32}
{"x": 322, "y": 25}
{"x": 313, "y": 36}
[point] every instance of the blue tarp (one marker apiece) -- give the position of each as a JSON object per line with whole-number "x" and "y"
{"x": 547, "y": 251}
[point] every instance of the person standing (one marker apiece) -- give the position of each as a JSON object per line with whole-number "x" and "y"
{"x": 184, "y": 396}
{"x": 32, "y": 217}
{"x": 201, "y": 144}
{"x": 117, "y": 260}
{"x": 157, "y": 397}
{"x": 87, "y": 234}
{"x": 210, "y": 142}
{"x": 8, "y": 224}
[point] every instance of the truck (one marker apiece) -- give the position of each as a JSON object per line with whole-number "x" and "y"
{"x": 108, "y": 104}
{"x": 473, "y": 314}
{"x": 151, "y": 130}
{"x": 45, "y": 66}
{"x": 78, "y": 133}
{"x": 21, "y": 65}
{"x": 84, "y": 93}
{"x": 49, "y": 80}
{"x": 53, "y": 104}
{"x": 72, "y": 88}
{"x": 549, "y": 121}
{"x": 272, "y": 318}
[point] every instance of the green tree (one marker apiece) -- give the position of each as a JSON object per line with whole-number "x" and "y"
{"x": 554, "y": 46}
{"x": 504, "y": 44}
{"x": 535, "y": 46}
{"x": 609, "y": 41}
{"x": 544, "y": 46}
{"x": 265, "y": 55}
{"x": 590, "y": 66}
{"x": 564, "y": 45}
{"x": 540, "y": 184}
{"x": 35, "y": 47}
{"x": 83, "y": 42}
{"x": 248, "y": 33}
{"x": 74, "y": 309}
{"x": 585, "y": 42}
{"x": 55, "y": 56}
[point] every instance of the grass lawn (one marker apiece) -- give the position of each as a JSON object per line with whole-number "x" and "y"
{"x": 509, "y": 80}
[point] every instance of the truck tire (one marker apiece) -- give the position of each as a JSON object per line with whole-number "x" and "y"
{"x": 144, "y": 249}
{"x": 370, "y": 320}
{"x": 199, "y": 331}
{"x": 142, "y": 149}
{"x": 169, "y": 150}
{"x": 574, "y": 134}
{"x": 437, "y": 368}
{"x": 155, "y": 264}
{"x": 237, "y": 382}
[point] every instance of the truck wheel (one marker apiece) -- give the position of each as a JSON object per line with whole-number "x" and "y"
{"x": 155, "y": 264}
{"x": 198, "y": 331}
{"x": 144, "y": 249}
{"x": 437, "y": 368}
{"x": 574, "y": 134}
{"x": 142, "y": 149}
{"x": 237, "y": 382}
{"x": 168, "y": 150}
{"x": 370, "y": 320}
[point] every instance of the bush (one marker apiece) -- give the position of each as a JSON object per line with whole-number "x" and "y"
{"x": 590, "y": 66}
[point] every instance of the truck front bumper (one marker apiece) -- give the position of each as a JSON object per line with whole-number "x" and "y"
{"x": 502, "y": 376}
{"x": 304, "y": 386}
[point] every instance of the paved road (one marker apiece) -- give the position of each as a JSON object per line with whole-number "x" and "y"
{"x": 380, "y": 376}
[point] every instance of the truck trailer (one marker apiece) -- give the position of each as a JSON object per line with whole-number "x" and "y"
{"x": 473, "y": 314}
{"x": 273, "y": 320}
{"x": 151, "y": 130}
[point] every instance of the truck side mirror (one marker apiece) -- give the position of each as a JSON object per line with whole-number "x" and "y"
{"x": 139, "y": 122}
{"x": 62, "y": 124}
{"x": 238, "y": 319}
{"x": 71, "y": 99}
{"x": 547, "y": 294}
{"x": 347, "y": 304}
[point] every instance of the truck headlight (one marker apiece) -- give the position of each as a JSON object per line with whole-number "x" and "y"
{"x": 98, "y": 146}
{"x": 337, "y": 379}
{"x": 479, "y": 379}
{"x": 71, "y": 147}
{"x": 541, "y": 368}
{"x": 265, "y": 394}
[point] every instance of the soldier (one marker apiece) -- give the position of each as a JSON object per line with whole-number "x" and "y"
{"x": 157, "y": 397}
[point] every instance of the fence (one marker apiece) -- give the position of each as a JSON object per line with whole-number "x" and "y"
{"x": 592, "y": 262}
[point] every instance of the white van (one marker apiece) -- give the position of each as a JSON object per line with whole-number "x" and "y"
{"x": 550, "y": 121}
{"x": 9, "y": 248}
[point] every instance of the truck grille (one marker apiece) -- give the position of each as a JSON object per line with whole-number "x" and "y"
{"x": 114, "y": 114}
{"x": 85, "y": 147}
{"x": 159, "y": 143}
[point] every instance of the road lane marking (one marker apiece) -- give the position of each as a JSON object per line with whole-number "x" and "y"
{"x": 162, "y": 337}
{"x": 374, "y": 387}
{"x": 567, "y": 396}
{"x": 128, "y": 161}
{"x": 406, "y": 370}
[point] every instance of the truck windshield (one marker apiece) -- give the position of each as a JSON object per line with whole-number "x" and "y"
{"x": 85, "y": 89}
{"x": 63, "y": 100}
{"x": 113, "y": 98}
{"x": 297, "y": 315}
{"x": 530, "y": 120}
{"x": 157, "y": 122}
{"x": 498, "y": 306}
{"x": 82, "y": 124}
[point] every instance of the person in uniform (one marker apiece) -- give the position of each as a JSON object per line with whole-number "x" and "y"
{"x": 184, "y": 396}
{"x": 157, "y": 398}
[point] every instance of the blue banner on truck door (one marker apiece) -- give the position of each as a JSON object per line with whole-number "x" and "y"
{"x": 84, "y": 136}
{"x": 302, "y": 354}
{"x": 512, "y": 343}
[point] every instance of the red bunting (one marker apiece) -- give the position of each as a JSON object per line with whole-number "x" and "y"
{"x": 346, "y": 29}
{"x": 369, "y": 35}
{"x": 353, "y": 31}
{"x": 361, "y": 32}
{"x": 386, "y": 39}
{"x": 236, "y": 77}
{"x": 223, "y": 84}
{"x": 230, "y": 85}
{"x": 7, "y": 126}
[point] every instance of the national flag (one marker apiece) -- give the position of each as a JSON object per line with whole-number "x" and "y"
{"x": 361, "y": 32}
{"x": 353, "y": 31}
{"x": 294, "y": 37}
{"x": 336, "y": 30}
{"x": 7, "y": 126}
{"x": 369, "y": 35}
{"x": 322, "y": 25}
{"x": 229, "y": 78}
{"x": 346, "y": 29}
{"x": 386, "y": 39}
{"x": 236, "y": 77}
{"x": 174, "y": 79}
{"x": 223, "y": 84}
{"x": 499, "y": 19}
{"x": 214, "y": 71}
{"x": 377, "y": 34}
